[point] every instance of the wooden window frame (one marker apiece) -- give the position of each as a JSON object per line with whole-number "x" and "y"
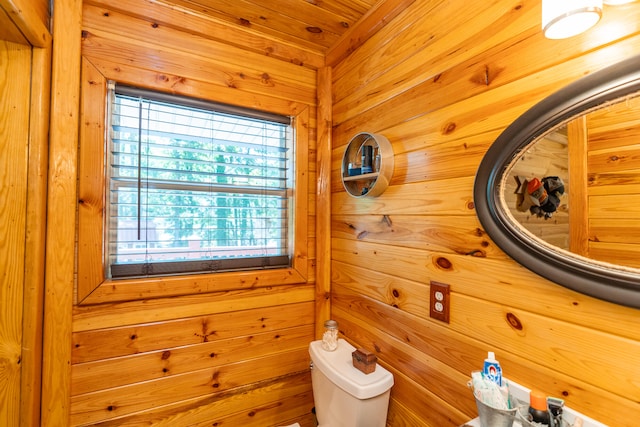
{"x": 93, "y": 287}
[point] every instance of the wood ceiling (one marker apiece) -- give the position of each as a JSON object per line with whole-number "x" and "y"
{"x": 316, "y": 26}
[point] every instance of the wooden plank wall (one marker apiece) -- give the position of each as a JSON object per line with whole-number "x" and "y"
{"x": 614, "y": 183}
{"x": 441, "y": 81}
{"x": 209, "y": 352}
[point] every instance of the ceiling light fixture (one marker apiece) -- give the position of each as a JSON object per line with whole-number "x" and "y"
{"x": 566, "y": 18}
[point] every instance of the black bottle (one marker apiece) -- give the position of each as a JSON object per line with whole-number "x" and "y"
{"x": 538, "y": 408}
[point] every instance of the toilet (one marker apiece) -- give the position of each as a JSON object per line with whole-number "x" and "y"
{"x": 343, "y": 395}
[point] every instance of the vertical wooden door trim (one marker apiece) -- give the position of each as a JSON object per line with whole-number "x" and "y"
{"x": 91, "y": 183}
{"x": 35, "y": 236}
{"x": 323, "y": 201}
{"x": 61, "y": 213}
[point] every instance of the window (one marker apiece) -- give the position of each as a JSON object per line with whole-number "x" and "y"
{"x": 195, "y": 186}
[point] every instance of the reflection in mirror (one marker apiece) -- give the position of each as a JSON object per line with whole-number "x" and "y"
{"x": 528, "y": 192}
{"x": 583, "y": 143}
{"x": 538, "y": 191}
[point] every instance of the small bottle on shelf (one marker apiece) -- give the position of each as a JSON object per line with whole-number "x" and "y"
{"x": 367, "y": 159}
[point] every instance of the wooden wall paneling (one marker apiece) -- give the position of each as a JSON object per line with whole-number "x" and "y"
{"x": 293, "y": 18}
{"x": 400, "y": 415}
{"x": 187, "y": 19}
{"x": 626, "y": 254}
{"x": 127, "y": 290}
{"x": 614, "y": 230}
{"x": 201, "y": 58}
{"x": 323, "y": 201}
{"x": 409, "y": 399}
{"x": 460, "y": 234}
{"x": 442, "y": 100}
{"x": 348, "y": 8}
{"x": 607, "y": 138}
{"x": 441, "y": 383}
{"x": 174, "y": 83}
{"x": 15, "y": 69}
{"x": 500, "y": 43}
{"x": 106, "y": 343}
{"x": 60, "y": 248}
{"x": 418, "y": 46}
{"x": 614, "y": 124}
{"x": 430, "y": 162}
{"x": 603, "y": 183}
{"x": 159, "y": 334}
{"x": 615, "y": 158}
{"x": 462, "y": 352}
{"x": 446, "y": 197}
{"x": 252, "y": 14}
{"x": 371, "y": 22}
{"x": 35, "y": 235}
{"x": 274, "y": 396}
{"x": 163, "y": 309}
{"x": 125, "y": 400}
{"x": 613, "y": 226}
{"x": 467, "y": 117}
{"x": 143, "y": 54}
{"x": 410, "y": 296}
{"x": 497, "y": 277}
{"x": 173, "y": 360}
{"x": 613, "y": 210}
{"x": 614, "y": 206}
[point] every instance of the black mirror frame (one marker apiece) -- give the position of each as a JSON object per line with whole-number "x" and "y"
{"x": 617, "y": 285}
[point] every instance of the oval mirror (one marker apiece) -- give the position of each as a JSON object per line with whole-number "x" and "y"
{"x": 559, "y": 190}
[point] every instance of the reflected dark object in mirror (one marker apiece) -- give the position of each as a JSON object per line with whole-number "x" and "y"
{"x": 605, "y": 281}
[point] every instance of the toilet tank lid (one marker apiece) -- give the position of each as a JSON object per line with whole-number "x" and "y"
{"x": 337, "y": 366}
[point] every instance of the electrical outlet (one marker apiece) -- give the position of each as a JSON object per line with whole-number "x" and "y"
{"x": 439, "y": 301}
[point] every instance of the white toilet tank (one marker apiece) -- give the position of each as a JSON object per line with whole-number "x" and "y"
{"x": 343, "y": 395}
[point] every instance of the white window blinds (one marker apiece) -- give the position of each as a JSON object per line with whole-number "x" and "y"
{"x": 195, "y": 186}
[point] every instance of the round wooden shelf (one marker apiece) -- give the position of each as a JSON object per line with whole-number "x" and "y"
{"x": 377, "y": 154}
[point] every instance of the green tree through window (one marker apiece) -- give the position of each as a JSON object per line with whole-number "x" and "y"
{"x": 195, "y": 189}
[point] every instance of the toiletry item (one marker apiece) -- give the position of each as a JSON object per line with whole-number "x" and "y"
{"x": 377, "y": 163}
{"x": 367, "y": 159}
{"x": 555, "y": 406}
{"x": 538, "y": 409}
{"x": 492, "y": 370}
{"x": 489, "y": 393}
{"x": 330, "y": 335}
{"x": 353, "y": 170}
